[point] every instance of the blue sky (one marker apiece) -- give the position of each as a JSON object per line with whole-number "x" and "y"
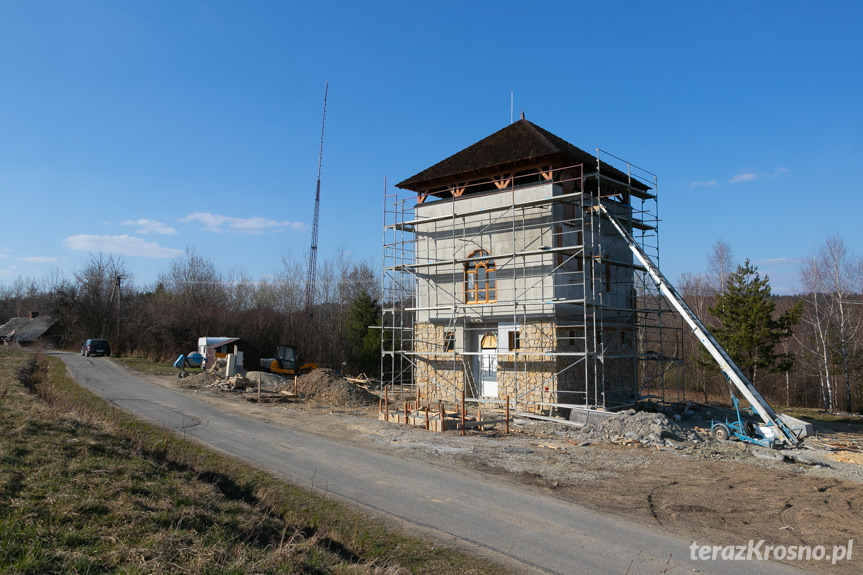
{"x": 148, "y": 127}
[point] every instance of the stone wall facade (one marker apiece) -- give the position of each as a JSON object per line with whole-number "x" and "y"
{"x": 547, "y": 366}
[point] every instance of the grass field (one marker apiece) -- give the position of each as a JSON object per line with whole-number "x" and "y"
{"x": 86, "y": 488}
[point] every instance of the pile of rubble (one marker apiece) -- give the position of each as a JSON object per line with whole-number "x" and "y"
{"x": 327, "y": 387}
{"x": 321, "y": 387}
{"x": 643, "y": 427}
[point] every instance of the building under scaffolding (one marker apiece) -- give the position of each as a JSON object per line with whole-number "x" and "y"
{"x": 502, "y": 280}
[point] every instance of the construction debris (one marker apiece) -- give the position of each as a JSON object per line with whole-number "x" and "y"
{"x": 326, "y": 387}
{"x": 642, "y": 427}
{"x": 321, "y": 387}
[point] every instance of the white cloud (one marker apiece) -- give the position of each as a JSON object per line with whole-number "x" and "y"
{"x": 751, "y": 177}
{"x": 745, "y": 177}
{"x": 779, "y": 262}
{"x": 708, "y": 184}
{"x": 219, "y": 223}
{"x": 125, "y": 245}
{"x": 150, "y": 227}
{"x": 39, "y": 259}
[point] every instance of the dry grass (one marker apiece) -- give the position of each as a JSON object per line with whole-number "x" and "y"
{"x": 85, "y": 488}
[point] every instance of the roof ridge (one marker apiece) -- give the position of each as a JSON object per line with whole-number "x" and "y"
{"x": 520, "y": 143}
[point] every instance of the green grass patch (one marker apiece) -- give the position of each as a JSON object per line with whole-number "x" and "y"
{"x": 86, "y": 488}
{"x": 819, "y": 415}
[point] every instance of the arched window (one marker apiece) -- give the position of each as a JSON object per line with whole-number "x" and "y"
{"x": 480, "y": 282}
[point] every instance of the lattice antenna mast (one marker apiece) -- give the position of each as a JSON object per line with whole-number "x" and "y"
{"x": 313, "y": 252}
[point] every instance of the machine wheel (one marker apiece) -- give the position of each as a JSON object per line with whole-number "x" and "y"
{"x": 721, "y": 432}
{"x": 749, "y": 428}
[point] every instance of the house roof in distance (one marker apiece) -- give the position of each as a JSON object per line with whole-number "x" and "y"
{"x": 25, "y": 329}
{"x": 519, "y": 144}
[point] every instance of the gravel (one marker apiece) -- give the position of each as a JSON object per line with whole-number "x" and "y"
{"x": 647, "y": 428}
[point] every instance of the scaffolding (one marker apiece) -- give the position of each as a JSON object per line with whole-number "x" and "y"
{"x": 522, "y": 290}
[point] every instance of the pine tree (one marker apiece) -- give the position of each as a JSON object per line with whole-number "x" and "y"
{"x": 365, "y": 343}
{"x": 747, "y": 329}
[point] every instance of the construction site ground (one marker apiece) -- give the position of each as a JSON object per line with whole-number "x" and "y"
{"x": 646, "y": 467}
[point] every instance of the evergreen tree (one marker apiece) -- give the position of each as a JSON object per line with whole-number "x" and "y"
{"x": 747, "y": 329}
{"x": 365, "y": 342}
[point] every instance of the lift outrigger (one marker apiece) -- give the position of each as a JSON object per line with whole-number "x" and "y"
{"x": 776, "y": 428}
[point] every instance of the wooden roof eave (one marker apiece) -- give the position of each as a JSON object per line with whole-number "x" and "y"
{"x": 500, "y": 175}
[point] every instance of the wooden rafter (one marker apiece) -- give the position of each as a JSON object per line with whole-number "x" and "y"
{"x": 502, "y": 181}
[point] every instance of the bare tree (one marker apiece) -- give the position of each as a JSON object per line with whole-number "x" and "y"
{"x": 63, "y": 298}
{"x": 720, "y": 265}
{"x": 21, "y": 297}
{"x": 842, "y": 279}
{"x": 194, "y": 281}
{"x": 191, "y": 301}
{"x": 239, "y": 291}
{"x": 696, "y": 290}
{"x": 817, "y": 315}
{"x": 95, "y": 286}
{"x": 288, "y": 286}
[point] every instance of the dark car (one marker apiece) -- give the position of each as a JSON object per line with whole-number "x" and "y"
{"x": 95, "y": 347}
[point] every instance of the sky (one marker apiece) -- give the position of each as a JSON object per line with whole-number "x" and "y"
{"x": 148, "y": 128}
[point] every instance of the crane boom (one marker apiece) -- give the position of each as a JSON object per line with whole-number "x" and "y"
{"x": 780, "y": 422}
{"x": 313, "y": 252}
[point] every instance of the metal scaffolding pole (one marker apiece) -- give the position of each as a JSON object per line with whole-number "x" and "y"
{"x": 581, "y": 324}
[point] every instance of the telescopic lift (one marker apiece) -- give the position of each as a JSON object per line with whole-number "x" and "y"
{"x": 776, "y": 427}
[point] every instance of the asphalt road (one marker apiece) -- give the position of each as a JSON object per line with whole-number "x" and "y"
{"x": 512, "y": 524}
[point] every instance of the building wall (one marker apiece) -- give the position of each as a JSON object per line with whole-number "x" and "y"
{"x": 456, "y": 239}
{"x": 535, "y": 294}
{"x": 529, "y": 375}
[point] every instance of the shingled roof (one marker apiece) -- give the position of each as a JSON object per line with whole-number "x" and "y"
{"x": 520, "y": 144}
{"x": 25, "y": 330}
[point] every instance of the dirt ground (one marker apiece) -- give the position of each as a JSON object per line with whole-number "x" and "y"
{"x": 670, "y": 474}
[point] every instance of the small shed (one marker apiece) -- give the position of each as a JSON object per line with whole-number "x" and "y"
{"x": 27, "y": 331}
{"x": 213, "y": 348}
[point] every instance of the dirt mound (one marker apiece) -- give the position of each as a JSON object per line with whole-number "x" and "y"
{"x": 642, "y": 426}
{"x": 200, "y": 379}
{"x": 327, "y": 387}
{"x": 268, "y": 381}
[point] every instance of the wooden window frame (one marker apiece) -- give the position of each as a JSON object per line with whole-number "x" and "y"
{"x": 480, "y": 279}
{"x": 514, "y": 340}
{"x": 449, "y": 341}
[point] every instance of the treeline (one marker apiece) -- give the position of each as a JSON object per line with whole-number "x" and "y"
{"x": 802, "y": 350}
{"x": 192, "y": 298}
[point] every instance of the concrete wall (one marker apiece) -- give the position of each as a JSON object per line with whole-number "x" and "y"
{"x": 550, "y": 361}
{"x": 524, "y": 278}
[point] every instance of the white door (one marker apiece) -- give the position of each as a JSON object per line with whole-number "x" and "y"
{"x": 488, "y": 365}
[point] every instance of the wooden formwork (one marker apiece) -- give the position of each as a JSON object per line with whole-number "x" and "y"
{"x": 434, "y": 416}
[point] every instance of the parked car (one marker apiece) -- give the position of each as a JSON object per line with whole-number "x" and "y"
{"x": 95, "y": 347}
